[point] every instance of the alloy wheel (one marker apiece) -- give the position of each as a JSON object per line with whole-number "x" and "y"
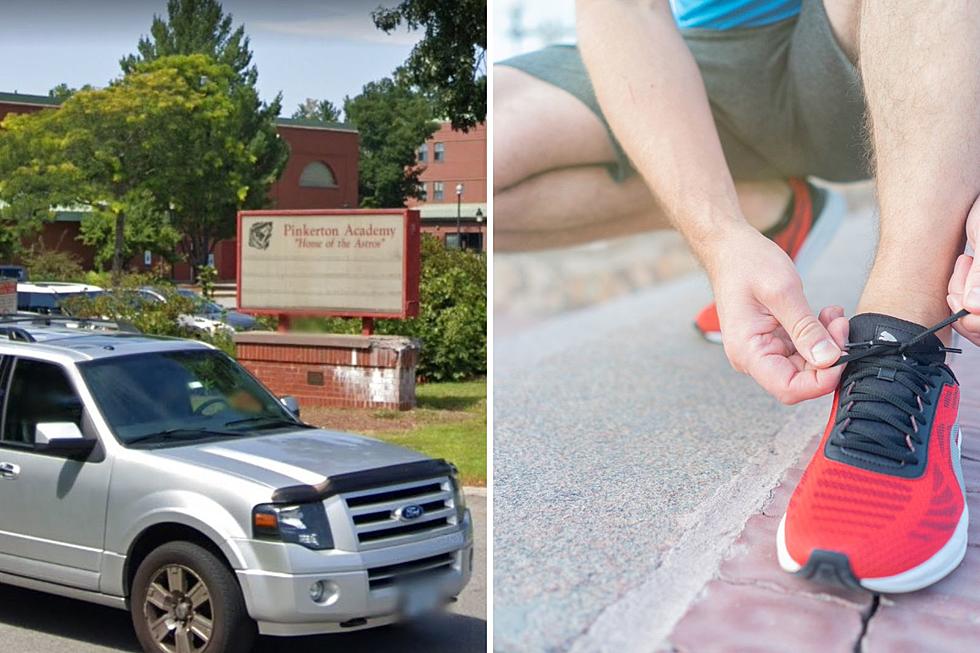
{"x": 178, "y": 610}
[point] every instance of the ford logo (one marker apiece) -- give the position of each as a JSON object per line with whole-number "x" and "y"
{"x": 410, "y": 512}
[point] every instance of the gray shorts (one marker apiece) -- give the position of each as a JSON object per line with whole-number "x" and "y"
{"x": 786, "y": 100}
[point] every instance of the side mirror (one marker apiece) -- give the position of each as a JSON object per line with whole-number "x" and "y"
{"x": 291, "y": 404}
{"x": 63, "y": 439}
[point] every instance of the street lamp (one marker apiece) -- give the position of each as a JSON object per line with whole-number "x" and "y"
{"x": 479, "y": 222}
{"x": 459, "y": 212}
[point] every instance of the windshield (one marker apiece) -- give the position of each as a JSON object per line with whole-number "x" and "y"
{"x": 181, "y": 396}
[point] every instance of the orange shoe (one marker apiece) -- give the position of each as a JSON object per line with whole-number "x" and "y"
{"x": 805, "y": 230}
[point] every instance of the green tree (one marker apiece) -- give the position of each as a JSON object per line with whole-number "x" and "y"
{"x": 32, "y": 179}
{"x": 196, "y": 27}
{"x": 63, "y": 91}
{"x": 165, "y": 138}
{"x": 202, "y": 27}
{"x": 147, "y": 228}
{"x": 449, "y": 63}
{"x": 322, "y": 110}
{"x": 393, "y": 120}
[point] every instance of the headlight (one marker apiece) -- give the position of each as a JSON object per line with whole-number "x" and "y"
{"x": 304, "y": 524}
{"x": 458, "y": 497}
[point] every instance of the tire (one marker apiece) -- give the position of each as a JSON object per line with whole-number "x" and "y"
{"x": 166, "y": 594}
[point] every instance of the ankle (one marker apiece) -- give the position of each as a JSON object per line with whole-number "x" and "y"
{"x": 763, "y": 203}
{"x": 921, "y": 313}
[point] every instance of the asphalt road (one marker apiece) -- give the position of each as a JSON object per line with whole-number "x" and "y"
{"x": 40, "y": 623}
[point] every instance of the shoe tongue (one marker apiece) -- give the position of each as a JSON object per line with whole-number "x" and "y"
{"x": 881, "y": 329}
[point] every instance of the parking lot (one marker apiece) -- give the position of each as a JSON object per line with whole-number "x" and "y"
{"x": 31, "y": 621}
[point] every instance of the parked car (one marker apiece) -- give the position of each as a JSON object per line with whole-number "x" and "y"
{"x": 155, "y": 475}
{"x": 18, "y": 272}
{"x": 205, "y": 308}
{"x": 47, "y": 297}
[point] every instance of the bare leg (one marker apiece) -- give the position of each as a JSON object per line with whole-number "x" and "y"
{"x": 551, "y": 188}
{"x": 919, "y": 62}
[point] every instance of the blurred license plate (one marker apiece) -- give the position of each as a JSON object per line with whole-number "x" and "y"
{"x": 418, "y": 600}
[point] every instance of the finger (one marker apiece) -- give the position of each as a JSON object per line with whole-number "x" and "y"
{"x": 839, "y": 329}
{"x": 830, "y": 313}
{"x": 809, "y": 336}
{"x": 957, "y": 282}
{"x": 973, "y": 226}
{"x": 812, "y": 383}
{"x": 791, "y": 379}
{"x": 968, "y": 326}
{"x": 971, "y": 287}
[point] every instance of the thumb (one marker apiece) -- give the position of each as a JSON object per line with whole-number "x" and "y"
{"x": 809, "y": 336}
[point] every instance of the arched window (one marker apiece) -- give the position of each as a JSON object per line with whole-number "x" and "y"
{"x": 317, "y": 175}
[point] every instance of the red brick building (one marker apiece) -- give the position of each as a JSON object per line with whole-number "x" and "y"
{"x": 455, "y": 186}
{"x": 321, "y": 173}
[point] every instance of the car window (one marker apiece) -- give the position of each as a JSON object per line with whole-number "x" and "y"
{"x": 50, "y": 303}
{"x": 201, "y": 304}
{"x": 143, "y": 394}
{"x": 39, "y": 392}
{"x": 36, "y": 302}
{"x": 150, "y": 297}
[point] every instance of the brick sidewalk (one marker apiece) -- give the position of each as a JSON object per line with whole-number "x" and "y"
{"x": 752, "y": 605}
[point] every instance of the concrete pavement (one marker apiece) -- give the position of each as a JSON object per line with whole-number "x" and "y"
{"x": 40, "y": 623}
{"x": 627, "y": 457}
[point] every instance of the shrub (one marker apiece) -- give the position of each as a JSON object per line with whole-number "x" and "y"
{"x": 452, "y": 322}
{"x": 53, "y": 265}
{"x": 123, "y": 303}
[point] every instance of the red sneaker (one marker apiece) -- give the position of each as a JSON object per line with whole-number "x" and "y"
{"x": 882, "y": 503}
{"x": 805, "y": 230}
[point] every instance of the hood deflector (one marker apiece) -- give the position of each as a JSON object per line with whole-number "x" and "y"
{"x": 363, "y": 480}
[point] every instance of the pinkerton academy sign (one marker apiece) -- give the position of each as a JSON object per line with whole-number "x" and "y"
{"x": 352, "y": 263}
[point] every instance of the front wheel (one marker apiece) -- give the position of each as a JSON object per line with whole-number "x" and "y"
{"x": 186, "y": 600}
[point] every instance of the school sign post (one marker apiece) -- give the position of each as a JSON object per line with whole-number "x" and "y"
{"x": 331, "y": 263}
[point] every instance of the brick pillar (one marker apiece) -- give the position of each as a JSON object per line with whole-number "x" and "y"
{"x": 333, "y": 370}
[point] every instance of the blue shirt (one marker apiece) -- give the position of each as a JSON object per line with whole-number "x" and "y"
{"x": 728, "y": 14}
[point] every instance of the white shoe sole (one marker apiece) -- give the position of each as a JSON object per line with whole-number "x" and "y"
{"x": 940, "y": 565}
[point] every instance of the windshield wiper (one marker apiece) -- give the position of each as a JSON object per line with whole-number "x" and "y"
{"x": 183, "y": 434}
{"x": 271, "y": 419}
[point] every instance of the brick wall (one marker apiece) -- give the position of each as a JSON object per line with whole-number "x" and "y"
{"x": 331, "y": 370}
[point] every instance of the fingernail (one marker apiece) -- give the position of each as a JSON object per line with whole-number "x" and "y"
{"x": 973, "y": 299}
{"x": 824, "y": 352}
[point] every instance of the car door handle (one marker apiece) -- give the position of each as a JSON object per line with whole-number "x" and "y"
{"x": 9, "y": 470}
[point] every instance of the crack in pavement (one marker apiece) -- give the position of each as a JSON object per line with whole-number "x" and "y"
{"x": 865, "y": 621}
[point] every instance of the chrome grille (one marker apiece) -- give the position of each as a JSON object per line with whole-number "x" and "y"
{"x": 376, "y": 518}
{"x": 379, "y": 577}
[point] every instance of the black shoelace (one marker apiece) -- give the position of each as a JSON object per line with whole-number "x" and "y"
{"x": 887, "y": 424}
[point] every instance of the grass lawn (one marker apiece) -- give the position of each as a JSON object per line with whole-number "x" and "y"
{"x": 450, "y": 422}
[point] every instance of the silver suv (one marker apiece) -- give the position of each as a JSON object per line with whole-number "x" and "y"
{"x": 157, "y": 476}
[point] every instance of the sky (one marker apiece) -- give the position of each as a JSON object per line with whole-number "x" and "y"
{"x": 325, "y": 49}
